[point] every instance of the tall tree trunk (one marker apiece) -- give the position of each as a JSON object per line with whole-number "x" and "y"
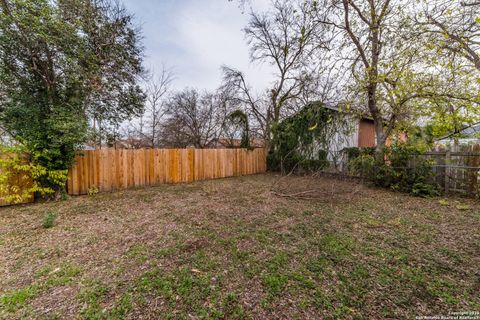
{"x": 378, "y": 122}
{"x": 380, "y": 135}
{"x": 373, "y": 80}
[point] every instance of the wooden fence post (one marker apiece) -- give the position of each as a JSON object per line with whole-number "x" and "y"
{"x": 448, "y": 158}
{"x": 474, "y": 163}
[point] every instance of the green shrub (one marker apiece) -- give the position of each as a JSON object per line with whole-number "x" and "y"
{"x": 92, "y": 191}
{"x": 323, "y": 155}
{"x": 400, "y": 168}
{"x": 362, "y": 165}
{"x": 354, "y": 152}
{"x": 285, "y": 163}
{"x": 49, "y": 220}
{"x": 421, "y": 189}
{"x": 294, "y": 161}
{"x": 314, "y": 165}
{"x": 21, "y": 176}
{"x": 368, "y": 150}
{"x": 323, "y": 159}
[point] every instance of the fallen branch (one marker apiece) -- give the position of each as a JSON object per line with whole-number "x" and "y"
{"x": 293, "y": 195}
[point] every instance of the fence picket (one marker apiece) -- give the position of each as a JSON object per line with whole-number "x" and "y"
{"x": 110, "y": 169}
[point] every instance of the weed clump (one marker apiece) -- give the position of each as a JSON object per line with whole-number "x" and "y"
{"x": 49, "y": 220}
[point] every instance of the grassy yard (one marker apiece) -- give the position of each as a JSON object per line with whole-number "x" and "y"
{"x": 232, "y": 249}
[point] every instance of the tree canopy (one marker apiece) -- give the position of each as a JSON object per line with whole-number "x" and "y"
{"x": 62, "y": 64}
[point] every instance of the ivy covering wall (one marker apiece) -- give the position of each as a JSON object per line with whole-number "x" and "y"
{"x": 302, "y": 141}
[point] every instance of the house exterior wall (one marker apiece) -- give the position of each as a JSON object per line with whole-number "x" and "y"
{"x": 345, "y": 137}
{"x": 359, "y": 133}
{"x": 342, "y": 140}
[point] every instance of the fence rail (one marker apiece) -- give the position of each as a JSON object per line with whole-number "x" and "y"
{"x": 456, "y": 168}
{"x": 111, "y": 169}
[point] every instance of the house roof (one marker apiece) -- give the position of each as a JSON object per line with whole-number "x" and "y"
{"x": 337, "y": 108}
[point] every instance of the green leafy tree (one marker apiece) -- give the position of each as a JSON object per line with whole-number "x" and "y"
{"x": 450, "y": 32}
{"x": 406, "y": 61}
{"x": 303, "y": 140}
{"x": 21, "y": 178}
{"x": 453, "y": 27}
{"x": 380, "y": 55}
{"x": 63, "y": 64}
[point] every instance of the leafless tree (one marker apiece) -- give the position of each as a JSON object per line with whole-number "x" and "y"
{"x": 147, "y": 128}
{"x": 155, "y": 109}
{"x": 194, "y": 119}
{"x": 236, "y": 87}
{"x": 288, "y": 38}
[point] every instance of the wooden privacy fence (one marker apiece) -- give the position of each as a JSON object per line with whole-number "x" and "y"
{"x": 112, "y": 169}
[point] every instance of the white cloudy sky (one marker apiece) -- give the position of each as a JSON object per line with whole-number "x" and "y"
{"x": 196, "y": 37}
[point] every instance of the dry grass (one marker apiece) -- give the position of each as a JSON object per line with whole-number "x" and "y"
{"x": 233, "y": 248}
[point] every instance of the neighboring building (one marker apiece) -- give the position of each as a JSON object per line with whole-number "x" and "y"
{"x": 358, "y": 133}
{"x": 366, "y": 133}
{"x": 355, "y": 131}
{"x": 350, "y": 130}
{"x": 132, "y": 143}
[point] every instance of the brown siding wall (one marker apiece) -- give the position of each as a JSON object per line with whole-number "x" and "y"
{"x": 366, "y": 134}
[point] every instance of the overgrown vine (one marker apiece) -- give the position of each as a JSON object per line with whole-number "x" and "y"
{"x": 240, "y": 118}
{"x": 304, "y": 140}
